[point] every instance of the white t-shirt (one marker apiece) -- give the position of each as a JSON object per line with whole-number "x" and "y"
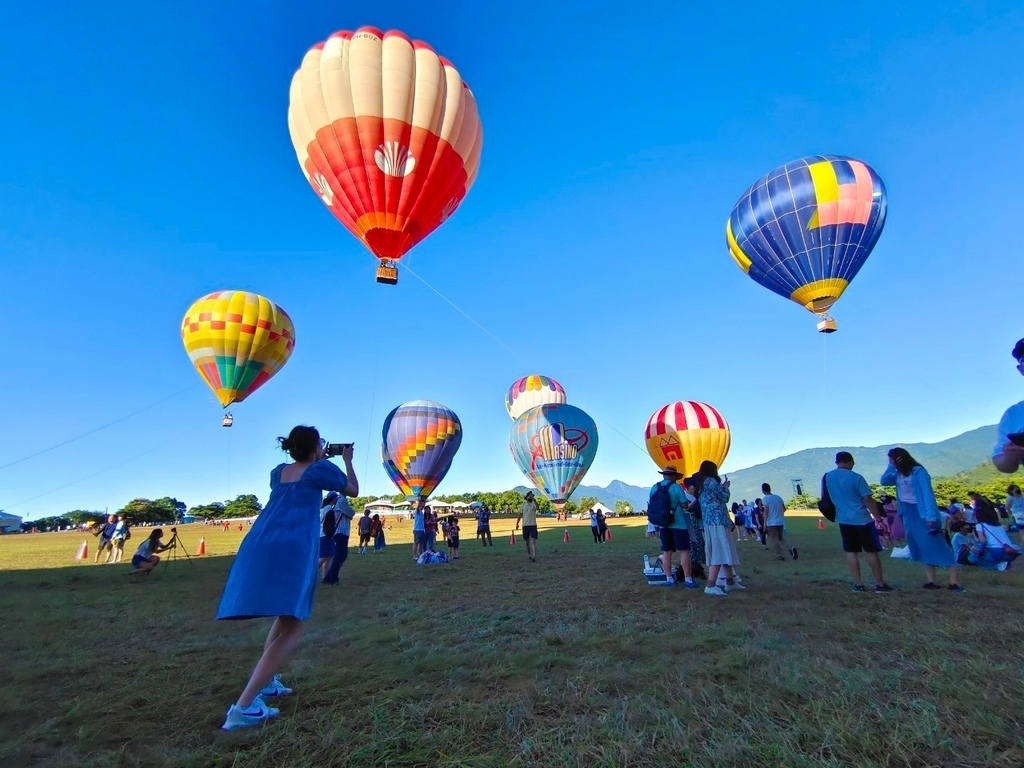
{"x": 905, "y": 489}
{"x": 774, "y": 509}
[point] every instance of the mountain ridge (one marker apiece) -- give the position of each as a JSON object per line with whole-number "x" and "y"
{"x": 946, "y": 458}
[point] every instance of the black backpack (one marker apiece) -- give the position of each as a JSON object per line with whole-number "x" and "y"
{"x": 659, "y": 507}
{"x": 330, "y": 523}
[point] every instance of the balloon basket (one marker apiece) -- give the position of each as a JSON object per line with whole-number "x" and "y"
{"x": 826, "y": 325}
{"x": 387, "y": 273}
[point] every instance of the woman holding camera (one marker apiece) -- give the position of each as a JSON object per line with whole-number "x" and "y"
{"x": 275, "y": 571}
{"x": 146, "y": 559}
{"x": 915, "y": 501}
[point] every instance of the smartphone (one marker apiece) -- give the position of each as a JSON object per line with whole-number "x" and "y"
{"x": 335, "y": 449}
{"x": 1017, "y": 438}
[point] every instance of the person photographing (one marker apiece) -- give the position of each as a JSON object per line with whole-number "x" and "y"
{"x": 275, "y": 571}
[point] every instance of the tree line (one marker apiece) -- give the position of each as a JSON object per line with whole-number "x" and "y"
{"x": 140, "y": 511}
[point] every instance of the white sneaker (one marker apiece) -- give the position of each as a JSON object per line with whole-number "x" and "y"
{"x": 717, "y": 591}
{"x": 254, "y": 714}
{"x": 276, "y": 688}
{"x": 738, "y": 585}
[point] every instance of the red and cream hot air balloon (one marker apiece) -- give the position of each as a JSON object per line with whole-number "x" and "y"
{"x": 388, "y": 136}
{"x": 685, "y": 433}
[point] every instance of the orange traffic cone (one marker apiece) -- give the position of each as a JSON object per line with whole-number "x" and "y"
{"x": 83, "y": 551}
{"x": 201, "y": 549}
{"x": 566, "y": 537}
{"x": 512, "y": 540}
{"x": 821, "y": 524}
{"x": 607, "y": 534}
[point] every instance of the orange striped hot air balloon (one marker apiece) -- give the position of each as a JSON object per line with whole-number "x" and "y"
{"x": 685, "y": 433}
{"x": 387, "y": 134}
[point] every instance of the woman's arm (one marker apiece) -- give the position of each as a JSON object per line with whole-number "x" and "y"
{"x": 889, "y": 476}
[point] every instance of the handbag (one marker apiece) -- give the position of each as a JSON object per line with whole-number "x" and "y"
{"x": 825, "y": 505}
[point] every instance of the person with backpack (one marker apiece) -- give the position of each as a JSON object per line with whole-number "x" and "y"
{"x": 665, "y": 509}
{"x": 328, "y": 522}
{"x": 342, "y": 518}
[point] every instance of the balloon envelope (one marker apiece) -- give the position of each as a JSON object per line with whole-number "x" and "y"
{"x": 806, "y": 229}
{"x": 237, "y": 341}
{"x": 685, "y": 433}
{"x": 554, "y": 445}
{"x": 386, "y": 133}
{"x": 420, "y": 439}
{"x": 531, "y": 391}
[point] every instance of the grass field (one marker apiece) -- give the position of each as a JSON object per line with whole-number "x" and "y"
{"x": 495, "y": 661}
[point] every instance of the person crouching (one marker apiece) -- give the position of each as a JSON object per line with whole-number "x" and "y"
{"x": 146, "y": 558}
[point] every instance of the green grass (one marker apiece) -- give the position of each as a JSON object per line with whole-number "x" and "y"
{"x": 495, "y": 661}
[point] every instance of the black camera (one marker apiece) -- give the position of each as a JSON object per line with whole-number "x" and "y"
{"x": 335, "y": 449}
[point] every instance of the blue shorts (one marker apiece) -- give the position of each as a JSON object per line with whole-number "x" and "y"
{"x": 675, "y": 540}
{"x": 529, "y": 531}
{"x": 420, "y": 538}
{"x": 326, "y": 547}
{"x": 138, "y": 560}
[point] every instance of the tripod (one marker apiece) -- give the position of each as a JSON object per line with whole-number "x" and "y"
{"x": 173, "y": 546}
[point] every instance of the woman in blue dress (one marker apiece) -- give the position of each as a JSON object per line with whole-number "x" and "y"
{"x": 915, "y": 501}
{"x": 275, "y": 571}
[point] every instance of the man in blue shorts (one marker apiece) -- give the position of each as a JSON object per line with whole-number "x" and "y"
{"x": 675, "y": 537}
{"x": 853, "y": 500}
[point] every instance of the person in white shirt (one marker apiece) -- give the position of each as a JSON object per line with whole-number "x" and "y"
{"x": 775, "y": 521}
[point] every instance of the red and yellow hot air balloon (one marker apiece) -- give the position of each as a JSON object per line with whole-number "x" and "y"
{"x": 387, "y": 134}
{"x": 685, "y": 433}
{"x": 237, "y": 341}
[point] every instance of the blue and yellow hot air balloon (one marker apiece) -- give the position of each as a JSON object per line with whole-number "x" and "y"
{"x": 420, "y": 439}
{"x": 806, "y": 229}
{"x": 554, "y": 445}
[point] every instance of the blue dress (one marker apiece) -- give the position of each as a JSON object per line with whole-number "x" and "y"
{"x": 275, "y": 570}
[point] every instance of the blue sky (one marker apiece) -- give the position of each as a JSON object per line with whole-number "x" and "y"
{"x": 145, "y": 162}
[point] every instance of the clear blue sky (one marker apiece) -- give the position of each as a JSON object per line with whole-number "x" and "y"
{"x": 145, "y": 161}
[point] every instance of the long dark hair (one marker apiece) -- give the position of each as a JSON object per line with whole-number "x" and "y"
{"x": 300, "y": 443}
{"x": 984, "y": 510}
{"x": 707, "y": 470}
{"x": 904, "y": 462}
{"x": 155, "y": 536}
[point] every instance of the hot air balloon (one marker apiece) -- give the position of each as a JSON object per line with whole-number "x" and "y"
{"x": 806, "y": 229}
{"x": 237, "y": 341}
{"x": 420, "y": 439}
{"x": 685, "y": 433}
{"x": 554, "y": 445}
{"x": 531, "y": 391}
{"x": 388, "y": 136}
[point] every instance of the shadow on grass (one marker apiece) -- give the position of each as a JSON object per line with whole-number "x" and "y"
{"x": 495, "y": 661}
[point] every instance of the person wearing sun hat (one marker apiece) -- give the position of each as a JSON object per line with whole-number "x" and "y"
{"x": 675, "y": 537}
{"x": 1007, "y": 456}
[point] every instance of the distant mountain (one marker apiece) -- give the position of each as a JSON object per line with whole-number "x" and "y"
{"x": 960, "y": 454}
{"x": 944, "y": 459}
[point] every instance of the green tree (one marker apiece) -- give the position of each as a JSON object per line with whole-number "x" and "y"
{"x": 214, "y": 511}
{"x": 802, "y": 501}
{"x": 79, "y": 516}
{"x": 146, "y": 511}
{"x": 246, "y": 505}
{"x": 586, "y": 502}
{"x": 623, "y": 508}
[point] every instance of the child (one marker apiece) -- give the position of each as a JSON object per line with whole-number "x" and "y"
{"x": 453, "y": 538}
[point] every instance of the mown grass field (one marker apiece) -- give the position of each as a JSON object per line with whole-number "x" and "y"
{"x": 495, "y": 661}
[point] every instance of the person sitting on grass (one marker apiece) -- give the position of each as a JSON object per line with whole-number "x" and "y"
{"x": 146, "y": 558}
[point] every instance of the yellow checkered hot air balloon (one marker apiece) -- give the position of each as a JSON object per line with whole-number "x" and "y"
{"x": 237, "y": 341}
